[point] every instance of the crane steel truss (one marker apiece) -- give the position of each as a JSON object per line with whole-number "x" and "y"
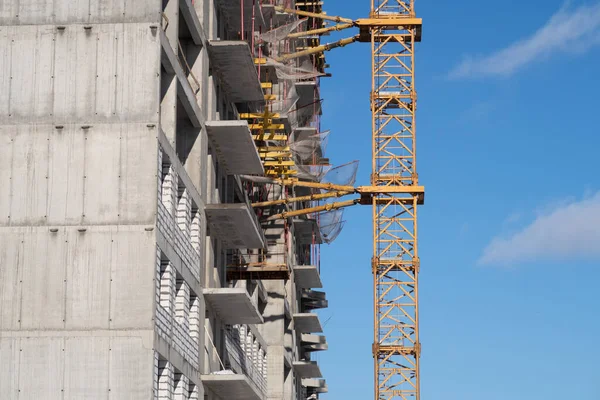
{"x": 395, "y": 264}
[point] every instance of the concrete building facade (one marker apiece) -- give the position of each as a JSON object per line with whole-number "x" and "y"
{"x": 127, "y": 234}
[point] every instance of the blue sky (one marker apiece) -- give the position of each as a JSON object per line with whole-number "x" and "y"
{"x": 508, "y": 144}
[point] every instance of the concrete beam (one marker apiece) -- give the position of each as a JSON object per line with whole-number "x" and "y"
{"x": 181, "y": 172}
{"x": 193, "y": 22}
{"x": 170, "y": 62}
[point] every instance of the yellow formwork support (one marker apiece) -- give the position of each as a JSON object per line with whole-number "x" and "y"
{"x": 270, "y": 136}
{"x": 279, "y": 163}
{"x": 267, "y": 127}
{"x": 275, "y": 154}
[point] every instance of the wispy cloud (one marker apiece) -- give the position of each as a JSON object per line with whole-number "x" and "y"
{"x": 568, "y": 31}
{"x": 477, "y": 112}
{"x": 569, "y": 231}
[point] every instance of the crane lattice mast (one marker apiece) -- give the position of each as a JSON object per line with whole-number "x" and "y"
{"x": 395, "y": 263}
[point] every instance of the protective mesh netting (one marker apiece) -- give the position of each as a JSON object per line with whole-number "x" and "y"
{"x": 303, "y": 115}
{"x": 294, "y": 71}
{"x": 342, "y": 175}
{"x": 312, "y": 172}
{"x": 279, "y": 34}
{"x": 278, "y": 45}
{"x": 308, "y": 148}
{"x": 286, "y": 105}
{"x": 330, "y": 224}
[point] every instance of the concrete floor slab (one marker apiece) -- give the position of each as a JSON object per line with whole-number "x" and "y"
{"x": 233, "y": 305}
{"x": 315, "y": 385}
{"x": 231, "y": 387}
{"x": 307, "y": 323}
{"x": 314, "y": 342}
{"x": 307, "y": 276}
{"x": 235, "y": 148}
{"x": 236, "y": 225}
{"x": 307, "y": 369}
{"x": 233, "y": 63}
{"x": 312, "y": 300}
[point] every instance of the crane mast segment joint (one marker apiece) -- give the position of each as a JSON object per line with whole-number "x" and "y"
{"x": 383, "y": 351}
{"x": 367, "y": 25}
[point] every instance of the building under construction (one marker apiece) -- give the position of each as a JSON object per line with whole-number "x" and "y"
{"x": 166, "y": 189}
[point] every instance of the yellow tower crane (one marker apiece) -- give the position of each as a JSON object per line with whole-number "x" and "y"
{"x": 392, "y": 29}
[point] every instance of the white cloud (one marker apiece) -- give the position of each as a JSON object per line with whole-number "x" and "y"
{"x": 567, "y": 31}
{"x": 568, "y": 232}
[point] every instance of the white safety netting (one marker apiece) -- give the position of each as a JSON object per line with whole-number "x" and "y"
{"x": 295, "y": 71}
{"x": 330, "y": 224}
{"x": 312, "y": 172}
{"x": 309, "y": 148}
{"x": 304, "y": 115}
{"x": 275, "y": 36}
{"x": 344, "y": 175}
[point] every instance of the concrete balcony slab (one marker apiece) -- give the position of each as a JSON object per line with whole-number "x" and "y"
{"x": 236, "y": 225}
{"x": 307, "y": 277}
{"x": 312, "y": 300}
{"x": 307, "y": 369}
{"x": 233, "y": 63}
{"x": 315, "y": 385}
{"x": 307, "y": 323}
{"x": 231, "y": 386}
{"x": 312, "y": 343}
{"x": 232, "y": 141}
{"x": 233, "y": 305}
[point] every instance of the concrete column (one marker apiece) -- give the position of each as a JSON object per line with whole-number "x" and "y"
{"x": 182, "y": 304}
{"x": 194, "y": 395}
{"x": 182, "y": 385}
{"x": 196, "y": 233}
{"x": 157, "y": 278}
{"x": 242, "y": 334}
{"x": 167, "y": 287}
{"x": 259, "y": 360}
{"x": 165, "y": 380}
{"x": 195, "y": 319}
{"x": 184, "y": 212}
{"x": 169, "y": 190}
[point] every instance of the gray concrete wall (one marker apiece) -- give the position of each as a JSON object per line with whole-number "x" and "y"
{"x": 79, "y": 91}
